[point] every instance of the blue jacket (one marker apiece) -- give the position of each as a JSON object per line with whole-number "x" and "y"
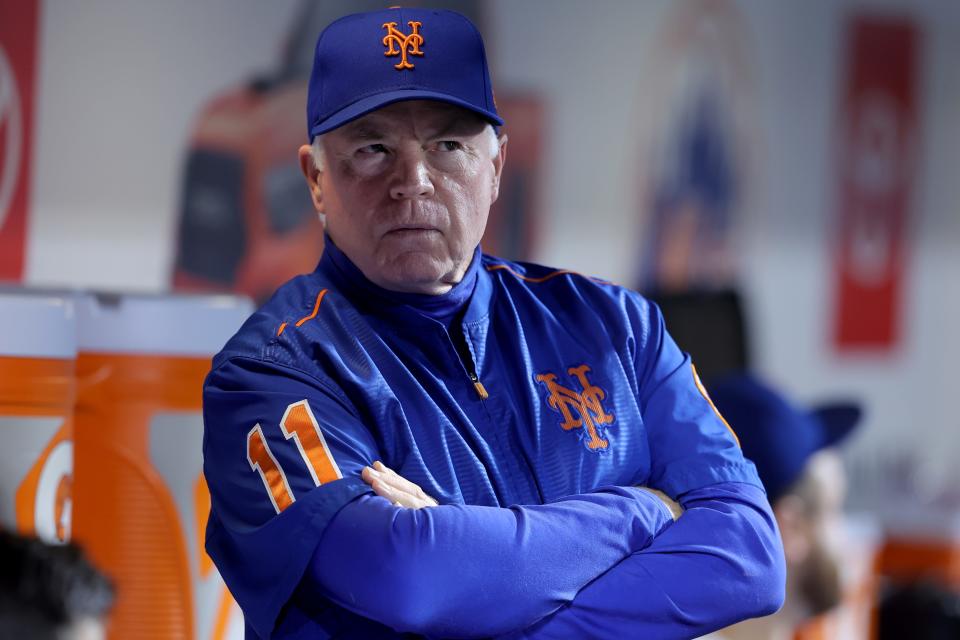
{"x": 565, "y": 394}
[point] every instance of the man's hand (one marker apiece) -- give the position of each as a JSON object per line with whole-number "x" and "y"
{"x": 388, "y": 484}
{"x": 675, "y": 509}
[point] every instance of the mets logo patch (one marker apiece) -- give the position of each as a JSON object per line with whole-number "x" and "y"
{"x": 403, "y": 44}
{"x": 582, "y": 409}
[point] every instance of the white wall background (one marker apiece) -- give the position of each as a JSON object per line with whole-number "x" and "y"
{"x": 120, "y": 84}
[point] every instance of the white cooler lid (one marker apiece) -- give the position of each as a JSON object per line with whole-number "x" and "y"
{"x": 37, "y": 324}
{"x": 171, "y": 324}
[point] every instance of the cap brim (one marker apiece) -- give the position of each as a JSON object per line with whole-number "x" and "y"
{"x": 838, "y": 420}
{"x": 372, "y": 103}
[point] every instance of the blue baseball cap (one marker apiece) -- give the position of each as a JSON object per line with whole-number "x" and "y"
{"x": 365, "y": 61}
{"x": 777, "y": 436}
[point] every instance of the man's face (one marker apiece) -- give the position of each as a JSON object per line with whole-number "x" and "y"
{"x": 406, "y": 191}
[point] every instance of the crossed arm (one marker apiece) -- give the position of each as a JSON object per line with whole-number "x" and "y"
{"x": 719, "y": 563}
{"x": 649, "y": 593}
{"x": 472, "y": 571}
{"x": 594, "y": 564}
{"x": 388, "y": 484}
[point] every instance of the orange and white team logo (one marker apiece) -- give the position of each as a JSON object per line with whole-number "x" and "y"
{"x": 579, "y": 409}
{"x": 43, "y": 500}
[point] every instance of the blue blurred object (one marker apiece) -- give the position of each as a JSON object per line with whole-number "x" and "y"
{"x": 776, "y": 435}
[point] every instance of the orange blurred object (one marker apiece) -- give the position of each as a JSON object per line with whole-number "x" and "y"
{"x": 37, "y": 350}
{"x": 141, "y": 500}
{"x": 912, "y": 559}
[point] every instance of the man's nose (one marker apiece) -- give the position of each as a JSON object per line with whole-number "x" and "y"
{"x": 412, "y": 177}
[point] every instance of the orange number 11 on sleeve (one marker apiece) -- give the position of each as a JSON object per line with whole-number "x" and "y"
{"x": 262, "y": 460}
{"x": 298, "y": 424}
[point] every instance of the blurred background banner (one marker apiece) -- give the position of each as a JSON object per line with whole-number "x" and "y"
{"x": 877, "y": 140}
{"x": 19, "y": 47}
{"x": 697, "y": 99}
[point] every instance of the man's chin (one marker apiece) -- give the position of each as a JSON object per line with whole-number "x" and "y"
{"x": 418, "y": 272}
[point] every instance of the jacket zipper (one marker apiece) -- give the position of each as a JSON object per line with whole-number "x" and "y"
{"x": 481, "y": 390}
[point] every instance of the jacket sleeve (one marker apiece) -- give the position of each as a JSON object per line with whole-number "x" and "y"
{"x": 282, "y": 457}
{"x": 720, "y": 563}
{"x": 282, "y": 454}
{"x": 474, "y": 571}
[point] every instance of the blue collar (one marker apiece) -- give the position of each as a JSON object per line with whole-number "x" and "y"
{"x": 470, "y": 296}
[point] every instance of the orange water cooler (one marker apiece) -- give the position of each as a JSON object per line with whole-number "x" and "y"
{"x": 141, "y": 502}
{"x": 37, "y": 352}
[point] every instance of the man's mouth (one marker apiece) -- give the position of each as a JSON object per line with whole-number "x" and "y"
{"x": 412, "y": 230}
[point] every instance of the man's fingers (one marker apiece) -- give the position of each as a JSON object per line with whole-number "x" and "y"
{"x": 386, "y": 491}
{"x": 368, "y": 475}
{"x": 388, "y": 477}
{"x": 398, "y": 481}
{"x": 395, "y": 488}
{"x": 399, "y": 499}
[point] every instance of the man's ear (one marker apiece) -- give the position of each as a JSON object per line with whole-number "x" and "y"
{"x": 795, "y": 532}
{"x": 312, "y": 174}
{"x": 498, "y": 161}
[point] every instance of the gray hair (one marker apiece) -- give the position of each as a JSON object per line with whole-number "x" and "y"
{"x": 319, "y": 156}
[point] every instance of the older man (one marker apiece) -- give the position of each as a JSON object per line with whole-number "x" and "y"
{"x": 549, "y": 415}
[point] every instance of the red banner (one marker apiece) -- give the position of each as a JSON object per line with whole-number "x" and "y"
{"x": 18, "y": 66}
{"x": 877, "y": 152}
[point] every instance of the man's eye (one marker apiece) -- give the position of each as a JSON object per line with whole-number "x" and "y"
{"x": 372, "y": 148}
{"x": 449, "y": 145}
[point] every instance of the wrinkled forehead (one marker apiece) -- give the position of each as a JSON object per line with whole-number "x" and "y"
{"x": 418, "y": 118}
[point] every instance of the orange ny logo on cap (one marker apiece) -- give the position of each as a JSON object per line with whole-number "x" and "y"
{"x": 409, "y": 43}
